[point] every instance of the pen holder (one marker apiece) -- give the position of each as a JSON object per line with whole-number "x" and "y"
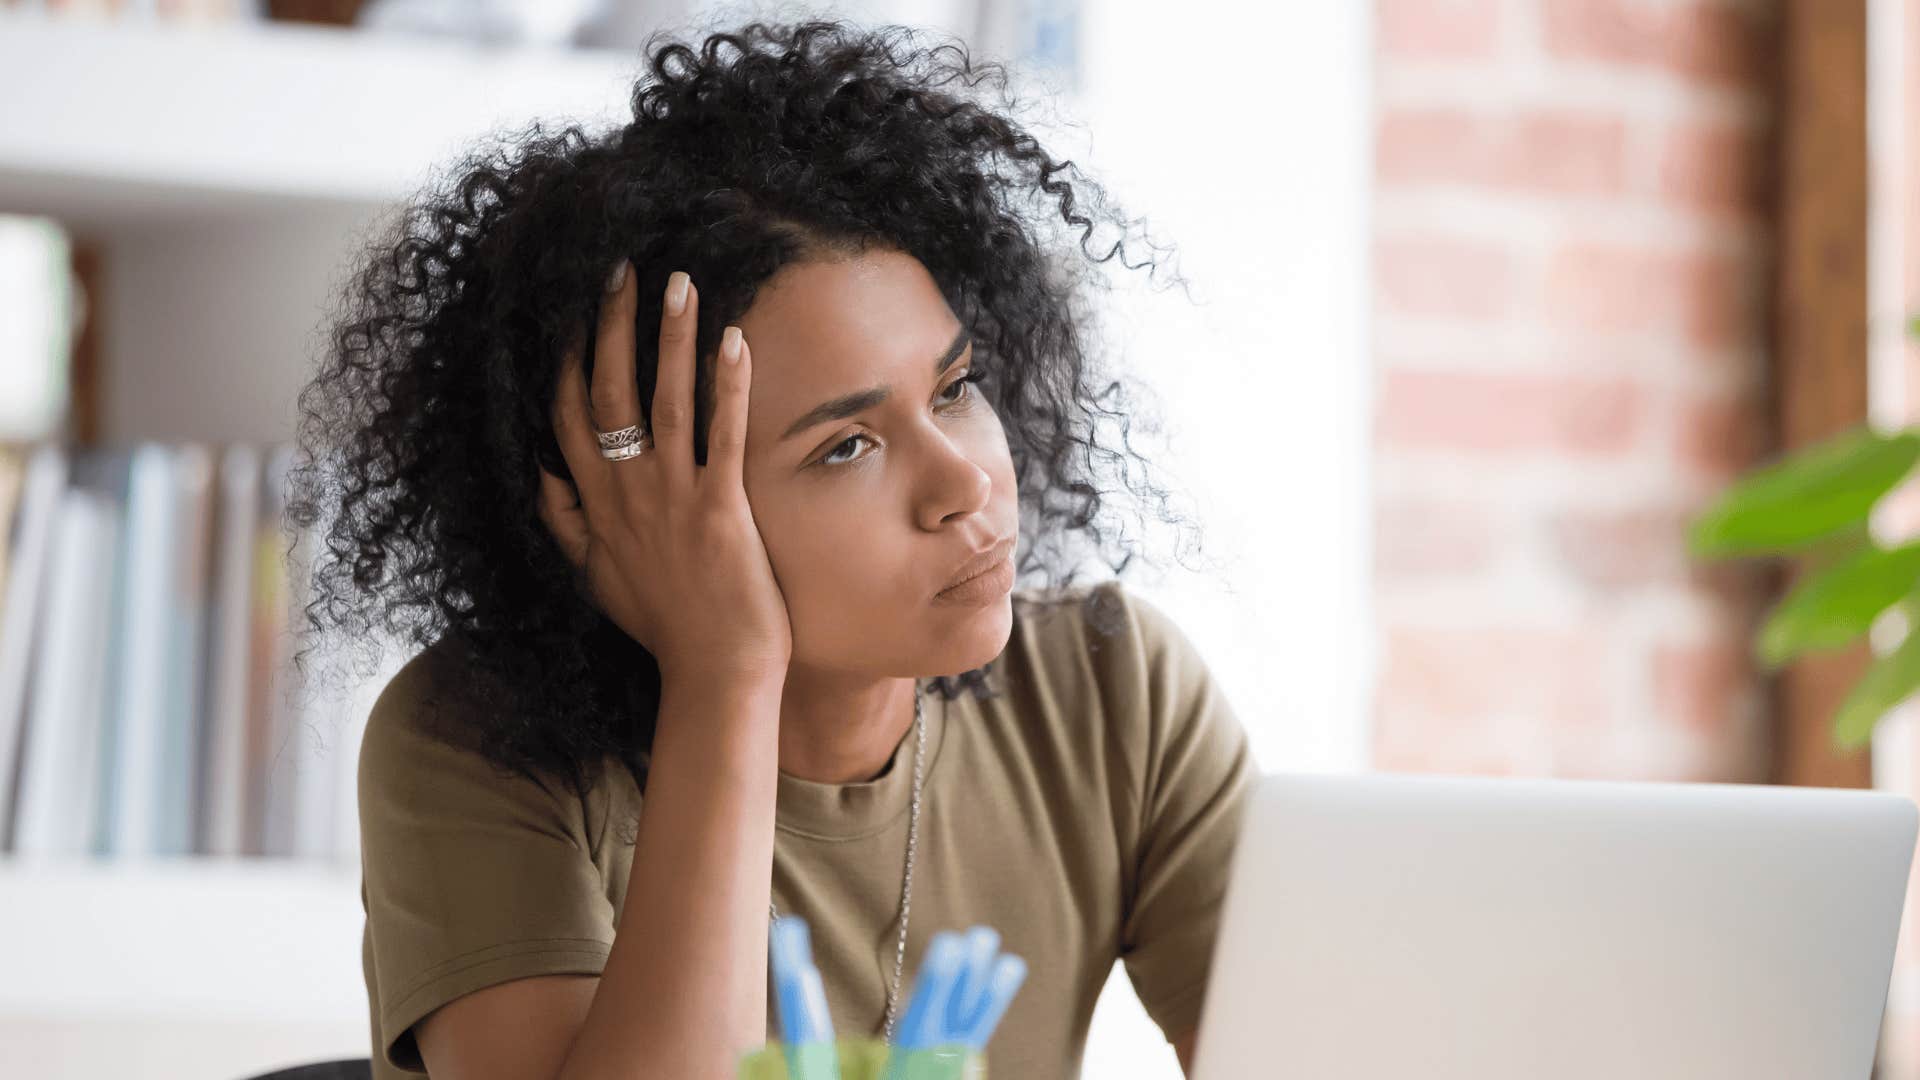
{"x": 871, "y": 1059}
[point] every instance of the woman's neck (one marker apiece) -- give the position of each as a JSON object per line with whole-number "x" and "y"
{"x": 835, "y": 731}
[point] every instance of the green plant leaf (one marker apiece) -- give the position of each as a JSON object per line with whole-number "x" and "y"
{"x": 1890, "y": 680}
{"x": 1805, "y": 496}
{"x": 1841, "y": 544}
{"x": 1830, "y": 608}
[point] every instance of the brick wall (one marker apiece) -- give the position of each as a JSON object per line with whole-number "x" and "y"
{"x": 1570, "y": 266}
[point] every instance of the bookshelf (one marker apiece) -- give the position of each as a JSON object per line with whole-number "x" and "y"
{"x": 219, "y": 177}
{"x": 230, "y": 169}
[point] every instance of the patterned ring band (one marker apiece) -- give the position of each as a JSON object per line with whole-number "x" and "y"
{"x": 626, "y": 436}
{"x": 622, "y": 453}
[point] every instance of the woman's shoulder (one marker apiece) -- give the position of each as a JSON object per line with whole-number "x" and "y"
{"x": 414, "y": 727}
{"x": 1102, "y": 639}
{"x": 418, "y": 762}
{"x": 411, "y": 703}
{"x": 1103, "y": 618}
{"x": 1103, "y": 674}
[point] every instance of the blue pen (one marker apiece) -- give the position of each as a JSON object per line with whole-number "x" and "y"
{"x": 982, "y": 991}
{"x": 970, "y": 993}
{"x": 1009, "y": 971}
{"x": 805, "y": 1025}
{"x": 924, "y": 1024}
{"x": 789, "y": 951}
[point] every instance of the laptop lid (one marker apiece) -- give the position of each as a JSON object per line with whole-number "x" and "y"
{"x": 1385, "y": 926}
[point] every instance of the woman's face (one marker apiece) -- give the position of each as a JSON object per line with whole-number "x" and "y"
{"x": 872, "y": 471}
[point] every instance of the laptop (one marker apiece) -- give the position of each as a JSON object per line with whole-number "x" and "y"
{"x": 1390, "y": 926}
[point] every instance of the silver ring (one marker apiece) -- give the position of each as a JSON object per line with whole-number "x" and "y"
{"x": 626, "y": 436}
{"x": 622, "y": 453}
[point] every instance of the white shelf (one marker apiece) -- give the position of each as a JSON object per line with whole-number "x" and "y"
{"x": 117, "y": 123}
{"x": 235, "y": 169}
{"x": 239, "y": 941}
{"x": 196, "y": 967}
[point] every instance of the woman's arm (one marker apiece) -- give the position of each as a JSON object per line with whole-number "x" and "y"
{"x": 683, "y": 993}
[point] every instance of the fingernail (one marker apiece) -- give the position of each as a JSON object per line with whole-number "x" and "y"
{"x": 617, "y": 276}
{"x": 730, "y": 345}
{"x": 677, "y": 292}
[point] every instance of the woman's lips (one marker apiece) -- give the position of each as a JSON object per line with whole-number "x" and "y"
{"x": 989, "y": 584}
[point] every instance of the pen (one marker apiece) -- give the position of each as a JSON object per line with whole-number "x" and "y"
{"x": 805, "y": 1025}
{"x": 1008, "y": 973}
{"x": 925, "y": 1022}
{"x": 970, "y": 993}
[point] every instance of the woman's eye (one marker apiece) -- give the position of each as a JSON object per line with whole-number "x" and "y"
{"x": 850, "y": 440}
{"x": 963, "y": 381}
{"x": 947, "y": 396}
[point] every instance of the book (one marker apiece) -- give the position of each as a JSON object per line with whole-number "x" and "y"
{"x": 30, "y": 544}
{"x": 223, "y": 788}
{"x": 152, "y": 603}
{"x": 184, "y": 602}
{"x": 271, "y": 726}
{"x": 133, "y": 726}
{"x": 59, "y": 783}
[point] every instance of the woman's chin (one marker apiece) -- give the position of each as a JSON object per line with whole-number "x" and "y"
{"x": 978, "y": 639}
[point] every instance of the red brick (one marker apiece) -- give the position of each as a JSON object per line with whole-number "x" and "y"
{"x": 1712, "y": 43}
{"x": 1719, "y": 43}
{"x": 1701, "y": 686}
{"x": 1443, "y": 276}
{"x": 1429, "y": 145}
{"x": 1407, "y": 741}
{"x": 1438, "y": 29}
{"x": 1719, "y": 168}
{"x": 1704, "y": 298}
{"x": 1568, "y": 152}
{"x": 1611, "y": 549}
{"x": 1718, "y": 437}
{"x": 1450, "y": 759}
{"x": 1611, "y": 31}
{"x": 1456, "y": 680}
{"x": 1494, "y": 413}
{"x": 1542, "y": 151}
{"x": 1416, "y": 538}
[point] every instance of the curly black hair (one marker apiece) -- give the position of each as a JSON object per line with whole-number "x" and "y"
{"x": 421, "y": 435}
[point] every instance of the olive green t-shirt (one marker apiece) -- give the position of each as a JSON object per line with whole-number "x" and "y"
{"x": 1087, "y": 812}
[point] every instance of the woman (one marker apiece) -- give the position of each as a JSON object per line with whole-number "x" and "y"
{"x": 840, "y": 393}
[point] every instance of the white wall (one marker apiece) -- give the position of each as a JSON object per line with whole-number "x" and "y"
{"x": 1242, "y": 134}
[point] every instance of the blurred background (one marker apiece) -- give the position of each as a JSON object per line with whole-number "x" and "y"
{"x": 1490, "y": 301}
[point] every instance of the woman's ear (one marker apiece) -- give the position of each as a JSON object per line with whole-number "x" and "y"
{"x": 564, "y": 517}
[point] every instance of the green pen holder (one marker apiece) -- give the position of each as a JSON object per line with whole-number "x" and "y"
{"x": 866, "y": 1059}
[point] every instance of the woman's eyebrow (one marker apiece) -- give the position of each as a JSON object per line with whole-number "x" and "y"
{"x": 852, "y": 404}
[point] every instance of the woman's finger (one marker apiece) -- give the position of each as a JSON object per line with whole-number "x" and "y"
{"x": 673, "y": 385}
{"x": 573, "y": 429}
{"x": 727, "y": 434}
{"x": 564, "y": 516}
{"x": 616, "y": 397}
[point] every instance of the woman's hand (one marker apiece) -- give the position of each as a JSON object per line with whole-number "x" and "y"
{"x": 670, "y": 549}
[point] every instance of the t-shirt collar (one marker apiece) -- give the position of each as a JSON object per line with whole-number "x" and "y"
{"x": 827, "y": 811}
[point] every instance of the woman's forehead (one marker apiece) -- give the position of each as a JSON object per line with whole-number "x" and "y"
{"x": 819, "y": 329}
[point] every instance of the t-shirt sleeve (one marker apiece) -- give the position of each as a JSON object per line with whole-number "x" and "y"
{"x": 472, "y": 876}
{"x": 1193, "y": 772}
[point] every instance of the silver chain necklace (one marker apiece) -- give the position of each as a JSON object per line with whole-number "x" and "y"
{"x": 906, "y": 881}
